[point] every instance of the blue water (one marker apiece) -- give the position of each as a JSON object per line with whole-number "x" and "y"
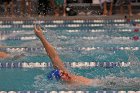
{"x": 35, "y": 78}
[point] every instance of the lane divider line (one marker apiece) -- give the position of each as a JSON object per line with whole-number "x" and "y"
{"x": 70, "y": 91}
{"x": 71, "y": 64}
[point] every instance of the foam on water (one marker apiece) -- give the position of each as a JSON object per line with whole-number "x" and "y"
{"x": 108, "y": 83}
{"x": 42, "y": 83}
{"x": 120, "y": 83}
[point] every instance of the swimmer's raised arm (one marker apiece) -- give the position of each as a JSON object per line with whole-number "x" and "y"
{"x": 58, "y": 64}
{"x": 56, "y": 61}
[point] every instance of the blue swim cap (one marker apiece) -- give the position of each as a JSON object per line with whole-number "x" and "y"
{"x": 55, "y": 73}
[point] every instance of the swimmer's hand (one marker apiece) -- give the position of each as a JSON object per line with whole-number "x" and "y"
{"x": 38, "y": 31}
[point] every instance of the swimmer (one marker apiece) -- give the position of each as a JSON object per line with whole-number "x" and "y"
{"x": 4, "y": 55}
{"x": 58, "y": 64}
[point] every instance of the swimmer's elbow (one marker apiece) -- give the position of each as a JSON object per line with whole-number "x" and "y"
{"x": 55, "y": 58}
{"x": 57, "y": 63}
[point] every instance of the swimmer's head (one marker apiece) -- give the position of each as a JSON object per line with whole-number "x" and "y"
{"x": 64, "y": 76}
{"x": 59, "y": 74}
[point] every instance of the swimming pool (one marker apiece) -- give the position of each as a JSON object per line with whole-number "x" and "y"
{"x": 104, "y": 49}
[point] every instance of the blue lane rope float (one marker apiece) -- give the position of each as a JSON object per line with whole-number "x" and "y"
{"x": 11, "y": 65}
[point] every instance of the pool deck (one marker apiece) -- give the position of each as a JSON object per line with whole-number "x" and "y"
{"x": 92, "y": 17}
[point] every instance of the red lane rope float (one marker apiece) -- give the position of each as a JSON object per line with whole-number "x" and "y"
{"x": 136, "y": 30}
{"x": 135, "y": 38}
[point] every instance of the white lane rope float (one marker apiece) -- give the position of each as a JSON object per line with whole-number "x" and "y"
{"x": 5, "y": 32}
{"x": 72, "y": 91}
{"x": 74, "y": 21}
{"x": 33, "y": 49}
{"x": 25, "y": 38}
{"x": 70, "y": 64}
{"x": 71, "y": 25}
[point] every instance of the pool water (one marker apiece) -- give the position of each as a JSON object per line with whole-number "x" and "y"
{"x": 76, "y": 41}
